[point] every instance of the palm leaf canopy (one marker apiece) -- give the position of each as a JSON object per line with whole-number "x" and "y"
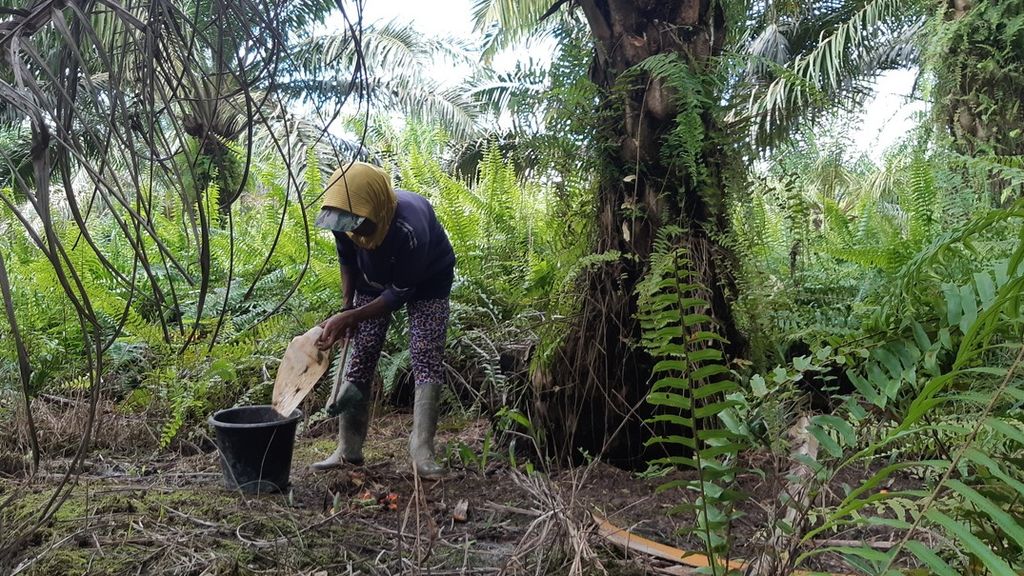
{"x": 805, "y": 59}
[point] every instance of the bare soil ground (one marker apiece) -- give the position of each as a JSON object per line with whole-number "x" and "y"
{"x": 166, "y": 513}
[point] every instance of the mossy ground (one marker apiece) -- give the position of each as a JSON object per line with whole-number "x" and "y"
{"x": 169, "y": 514}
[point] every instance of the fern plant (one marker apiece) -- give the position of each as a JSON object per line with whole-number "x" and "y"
{"x": 951, "y": 391}
{"x": 691, "y": 388}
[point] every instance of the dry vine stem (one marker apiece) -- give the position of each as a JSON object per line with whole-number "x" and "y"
{"x": 112, "y": 93}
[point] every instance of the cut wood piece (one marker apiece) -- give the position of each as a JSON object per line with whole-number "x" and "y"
{"x": 635, "y": 543}
{"x": 641, "y": 545}
{"x": 301, "y": 367}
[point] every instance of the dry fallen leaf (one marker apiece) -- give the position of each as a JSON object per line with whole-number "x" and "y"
{"x": 461, "y": 512}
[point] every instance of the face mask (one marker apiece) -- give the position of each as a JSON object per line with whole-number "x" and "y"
{"x": 338, "y": 220}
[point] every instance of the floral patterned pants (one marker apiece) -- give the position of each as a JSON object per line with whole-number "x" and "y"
{"x": 428, "y": 323}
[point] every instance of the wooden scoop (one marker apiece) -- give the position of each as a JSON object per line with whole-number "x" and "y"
{"x": 301, "y": 367}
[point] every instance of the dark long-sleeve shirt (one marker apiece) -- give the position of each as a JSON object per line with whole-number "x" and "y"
{"x": 414, "y": 262}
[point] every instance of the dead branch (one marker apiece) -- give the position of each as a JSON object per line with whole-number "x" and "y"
{"x": 24, "y": 368}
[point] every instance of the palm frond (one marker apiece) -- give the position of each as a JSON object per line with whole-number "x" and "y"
{"x": 450, "y": 107}
{"x": 846, "y": 57}
{"x": 770, "y": 46}
{"x": 502, "y": 92}
{"x": 391, "y": 58}
{"x": 384, "y": 47}
{"x": 507, "y": 22}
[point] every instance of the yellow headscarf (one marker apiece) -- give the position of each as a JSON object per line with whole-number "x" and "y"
{"x": 364, "y": 190}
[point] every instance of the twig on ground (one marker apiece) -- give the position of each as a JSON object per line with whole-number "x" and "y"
{"x": 489, "y": 505}
{"x": 191, "y": 518}
{"x": 25, "y": 565}
{"x": 886, "y": 545}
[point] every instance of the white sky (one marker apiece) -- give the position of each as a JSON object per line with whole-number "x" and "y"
{"x": 889, "y": 115}
{"x": 433, "y": 17}
{"x": 885, "y": 119}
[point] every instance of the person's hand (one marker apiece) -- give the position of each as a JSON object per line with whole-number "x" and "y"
{"x": 341, "y": 326}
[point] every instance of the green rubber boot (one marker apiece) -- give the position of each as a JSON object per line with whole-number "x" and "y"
{"x": 426, "y": 407}
{"x": 353, "y": 411}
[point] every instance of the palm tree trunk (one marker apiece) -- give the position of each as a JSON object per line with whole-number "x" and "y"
{"x": 977, "y": 86}
{"x": 591, "y": 399}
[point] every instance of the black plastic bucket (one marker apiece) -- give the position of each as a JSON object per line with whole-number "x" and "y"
{"x": 255, "y": 445}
